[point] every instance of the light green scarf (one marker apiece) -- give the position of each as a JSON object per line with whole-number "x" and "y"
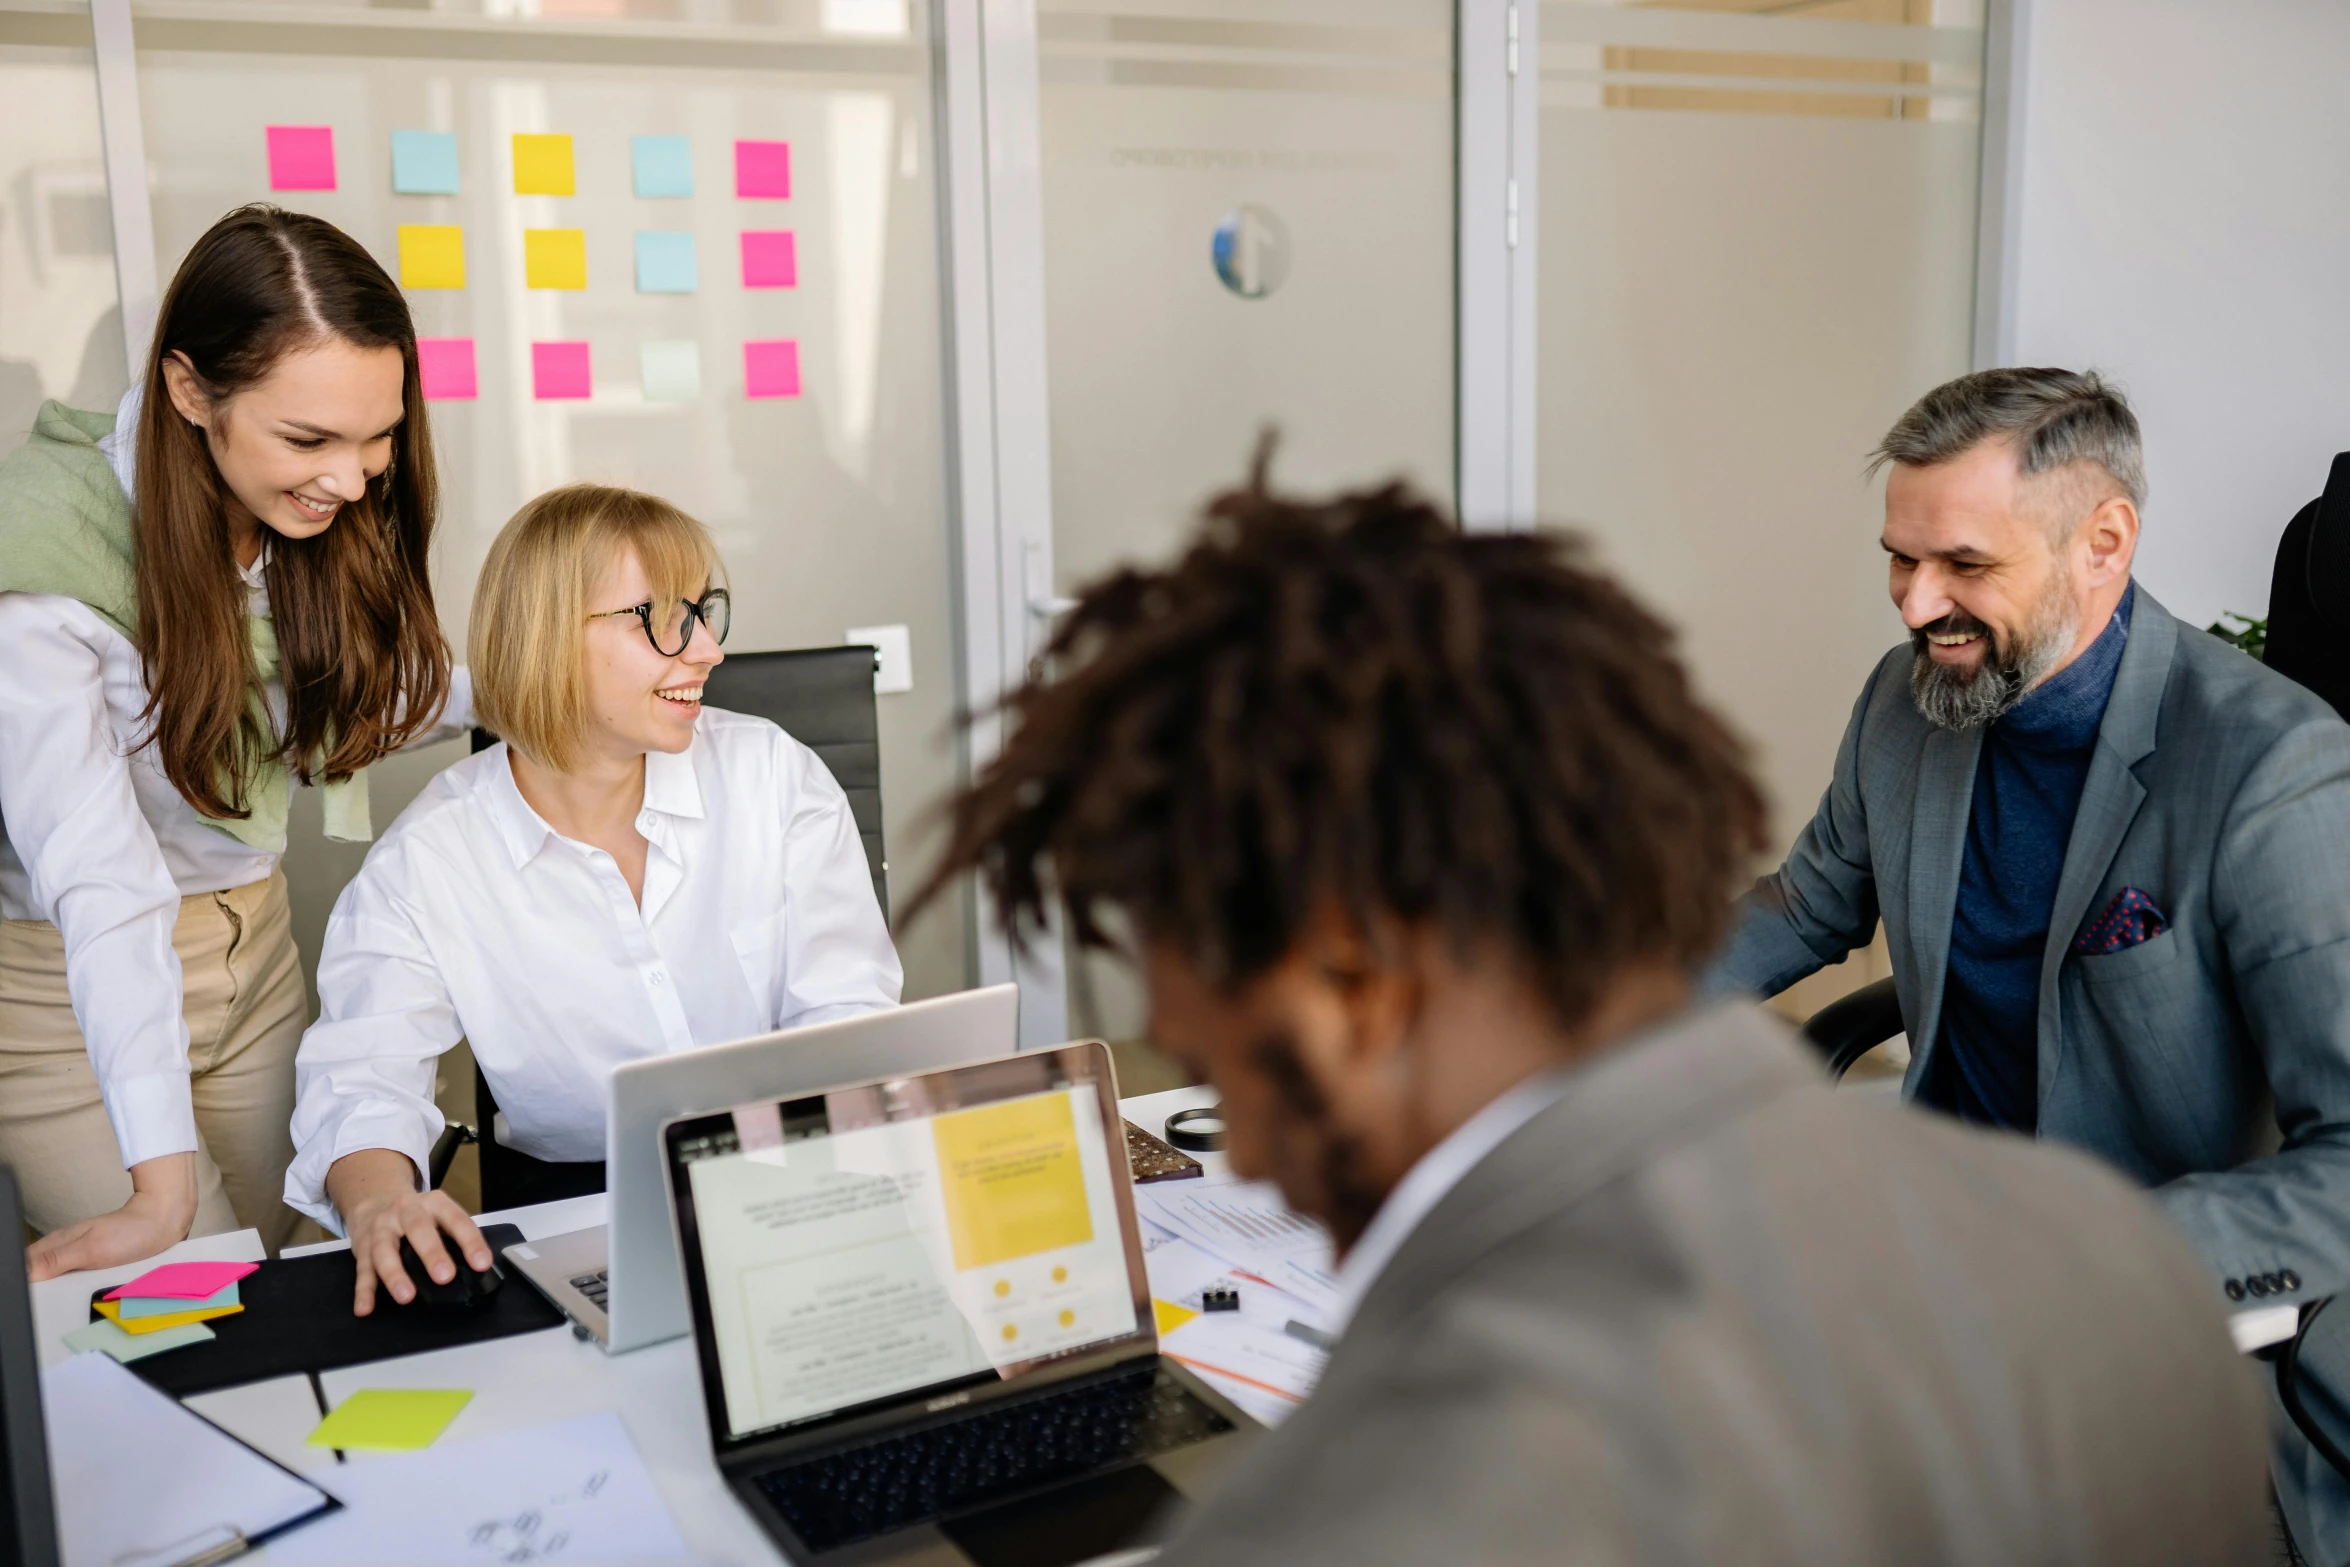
{"x": 65, "y": 528}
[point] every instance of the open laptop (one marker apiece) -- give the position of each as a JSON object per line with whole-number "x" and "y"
{"x": 28, "y": 1507}
{"x": 922, "y": 1322}
{"x": 619, "y": 1283}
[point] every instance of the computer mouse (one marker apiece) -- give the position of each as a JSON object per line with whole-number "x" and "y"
{"x": 467, "y": 1291}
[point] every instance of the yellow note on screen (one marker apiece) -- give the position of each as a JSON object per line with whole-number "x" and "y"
{"x": 432, "y": 255}
{"x": 542, "y": 166}
{"x": 554, "y": 258}
{"x": 1012, "y": 1180}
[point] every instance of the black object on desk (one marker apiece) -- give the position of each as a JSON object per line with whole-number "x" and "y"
{"x": 466, "y": 1291}
{"x": 1200, "y": 1128}
{"x": 28, "y": 1508}
{"x": 297, "y": 1319}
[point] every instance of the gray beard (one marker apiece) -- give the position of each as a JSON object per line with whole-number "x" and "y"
{"x": 1950, "y": 699}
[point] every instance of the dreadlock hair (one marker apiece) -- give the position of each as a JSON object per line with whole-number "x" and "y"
{"x": 1352, "y": 701}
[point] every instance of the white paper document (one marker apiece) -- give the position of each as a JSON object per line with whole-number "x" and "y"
{"x": 570, "y": 1491}
{"x": 1250, "y": 1228}
{"x": 143, "y": 1482}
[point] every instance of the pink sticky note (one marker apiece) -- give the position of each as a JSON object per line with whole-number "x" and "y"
{"x": 558, "y": 370}
{"x": 183, "y": 1281}
{"x": 769, "y": 259}
{"x": 301, "y": 157}
{"x": 771, "y": 368}
{"x": 446, "y": 366}
{"x": 762, "y": 170}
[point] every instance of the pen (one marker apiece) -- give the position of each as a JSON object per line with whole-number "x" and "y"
{"x": 1312, "y": 1335}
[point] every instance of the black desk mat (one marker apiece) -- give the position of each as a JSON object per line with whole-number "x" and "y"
{"x": 297, "y": 1319}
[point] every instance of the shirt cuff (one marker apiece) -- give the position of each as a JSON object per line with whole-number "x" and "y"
{"x": 153, "y": 1114}
{"x": 403, "y": 1131}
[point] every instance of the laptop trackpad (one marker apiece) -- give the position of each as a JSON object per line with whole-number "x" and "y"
{"x": 1072, "y": 1523}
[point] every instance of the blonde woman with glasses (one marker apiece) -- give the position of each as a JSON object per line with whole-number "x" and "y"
{"x": 626, "y": 873}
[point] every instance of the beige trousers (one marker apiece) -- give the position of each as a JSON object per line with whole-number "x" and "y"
{"x": 245, "y": 1008}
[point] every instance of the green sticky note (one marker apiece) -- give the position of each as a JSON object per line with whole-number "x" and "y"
{"x": 672, "y": 370}
{"x": 390, "y": 1420}
{"x": 109, "y": 1338}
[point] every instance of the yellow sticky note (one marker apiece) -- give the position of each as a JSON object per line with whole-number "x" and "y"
{"x": 554, "y": 258}
{"x": 1170, "y": 1315}
{"x": 112, "y": 1311}
{"x": 1012, "y": 1180}
{"x": 432, "y": 255}
{"x": 390, "y": 1420}
{"x": 542, "y": 166}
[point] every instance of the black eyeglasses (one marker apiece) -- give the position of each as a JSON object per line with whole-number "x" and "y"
{"x": 713, "y": 609}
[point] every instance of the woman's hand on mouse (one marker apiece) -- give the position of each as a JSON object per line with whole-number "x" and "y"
{"x": 376, "y": 1192}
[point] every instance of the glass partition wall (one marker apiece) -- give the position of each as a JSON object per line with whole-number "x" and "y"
{"x": 937, "y": 309}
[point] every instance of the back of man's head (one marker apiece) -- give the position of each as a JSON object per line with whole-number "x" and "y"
{"x": 1350, "y": 707}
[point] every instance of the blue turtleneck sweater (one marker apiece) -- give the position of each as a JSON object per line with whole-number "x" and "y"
{"x": 2028, "y": 783}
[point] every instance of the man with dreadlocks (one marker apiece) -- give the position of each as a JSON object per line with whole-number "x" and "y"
{"x": 1419, "y": 838}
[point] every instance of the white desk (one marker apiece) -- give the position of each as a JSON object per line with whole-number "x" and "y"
{"x": 522, "y": 1381}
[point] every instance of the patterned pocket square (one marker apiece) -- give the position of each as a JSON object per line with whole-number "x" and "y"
{"x": 2131, "y": 918}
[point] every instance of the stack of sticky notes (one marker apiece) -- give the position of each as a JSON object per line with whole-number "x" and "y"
{"x": 163, "y": 1308}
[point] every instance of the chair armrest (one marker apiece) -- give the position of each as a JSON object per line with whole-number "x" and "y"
{"x": 2288, "y": 1370}
{"x": 1844, "y": 1031}
{"x": 453, "y": 1136}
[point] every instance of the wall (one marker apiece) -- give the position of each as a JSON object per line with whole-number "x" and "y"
{"x": 2181, "y": 225}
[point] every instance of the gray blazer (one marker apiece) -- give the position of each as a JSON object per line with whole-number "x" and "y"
{"x": 2222, "y": 791}
{"x": 1706, "y": 1310}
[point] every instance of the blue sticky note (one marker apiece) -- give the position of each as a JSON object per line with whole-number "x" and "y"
{"x": 665, "y": 262}
{"x": 672, "y": 371}
{"x": 663, "y": 165}
{"x": 134, "y": 1307}
{"x": 424, "y": 163}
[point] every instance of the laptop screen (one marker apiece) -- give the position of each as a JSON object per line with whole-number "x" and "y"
{"x": 857, "y": 1246}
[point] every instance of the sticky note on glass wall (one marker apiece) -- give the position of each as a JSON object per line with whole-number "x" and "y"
{"x": 665, "y": 263}
{"x": 762, "y": 170}
{"x": 771, "y": 368}
{"x": 672, "y": 370}
{"x": 769, "y": 259}
{"x": 432, "y": 255}
{"x": 554, "y": 258}
{"x": 301, "y": 157}
{"x": 661, "y": 165}
{"x": 542, "y": 166}
{"x": 558, "y": 371}
{"x": 445, "y": 364}
{"x": 424, "y": 163}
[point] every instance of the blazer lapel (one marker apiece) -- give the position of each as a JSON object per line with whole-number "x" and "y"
{"x": 2110, "y": 798}
{"x": 1937, "y": 845}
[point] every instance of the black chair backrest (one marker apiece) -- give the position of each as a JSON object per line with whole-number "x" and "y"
{"x": 2309, "y": 595}
{"x": 823, "y": 698}
{"x": 28, "y": 1507}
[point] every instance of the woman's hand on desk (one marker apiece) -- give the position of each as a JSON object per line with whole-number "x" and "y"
{"x": 162, "y": 1206}
{"x": 375, "y": 1191}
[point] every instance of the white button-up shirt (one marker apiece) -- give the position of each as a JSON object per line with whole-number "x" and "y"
{"x": 94, "y": 839}
{"x": 474, "y": 919}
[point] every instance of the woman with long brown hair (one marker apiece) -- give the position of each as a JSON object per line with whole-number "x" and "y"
{"x": 217, "y": 591}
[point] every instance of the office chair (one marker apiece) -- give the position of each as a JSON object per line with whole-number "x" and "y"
{"x": 821, "y": 697}
{"x": 2309, "y": 594}
{"x": 1845, "y": 1030}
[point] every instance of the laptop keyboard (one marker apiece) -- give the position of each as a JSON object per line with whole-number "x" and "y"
{"x": 854, "y": 1493}
{"x": 595, "y": 1286}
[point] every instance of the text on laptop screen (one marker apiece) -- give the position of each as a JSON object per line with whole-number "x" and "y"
{"x": 845, "y": 1266}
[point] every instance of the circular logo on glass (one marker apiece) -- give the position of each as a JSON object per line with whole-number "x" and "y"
{"x": 1251, "y": 251}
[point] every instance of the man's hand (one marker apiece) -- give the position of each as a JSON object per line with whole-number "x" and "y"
{"x": 375, "y": 1190}
{"x": 162, "y": 1207}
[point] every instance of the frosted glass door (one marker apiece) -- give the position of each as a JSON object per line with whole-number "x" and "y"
{"x": 1248, "y": 222}
{"x": 740, "y": 314}
{"x": 1757, "y": 248}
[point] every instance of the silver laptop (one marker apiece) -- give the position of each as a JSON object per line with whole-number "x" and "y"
{"x": 922, "y": 1323}
{"x": 619, "y": 1283}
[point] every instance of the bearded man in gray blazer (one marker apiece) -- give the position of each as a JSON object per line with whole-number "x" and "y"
{"x": 2111, "y": 854}
{"x": 1421, "y": 837}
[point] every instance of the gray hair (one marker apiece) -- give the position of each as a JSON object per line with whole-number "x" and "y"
{"x": 2055, "y": 418}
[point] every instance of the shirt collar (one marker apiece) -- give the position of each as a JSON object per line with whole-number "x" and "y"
{"x": 672, "y": 790}
{"x": 1429, "y": 1181}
